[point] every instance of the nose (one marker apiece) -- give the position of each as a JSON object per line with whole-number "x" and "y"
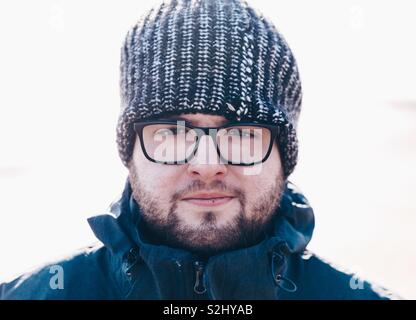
{"x": 206, "y": 164}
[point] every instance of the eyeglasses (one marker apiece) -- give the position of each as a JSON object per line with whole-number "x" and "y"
{"x": 176, "y": 142}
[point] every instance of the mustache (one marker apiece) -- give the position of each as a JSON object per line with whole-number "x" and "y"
{"x": 216, "y": 185}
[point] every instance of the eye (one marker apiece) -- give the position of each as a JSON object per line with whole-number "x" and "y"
{"x": 172, "y": 131}
{"x": 246, "y": 133}
{"x": 240, "y": 132}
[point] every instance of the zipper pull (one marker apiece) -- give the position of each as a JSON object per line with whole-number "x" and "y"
{"x": 131, "y": 261}
{"x": 199, "y": 287}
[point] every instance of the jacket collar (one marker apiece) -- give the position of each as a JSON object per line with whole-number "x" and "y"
{"x": 233, "y": 274}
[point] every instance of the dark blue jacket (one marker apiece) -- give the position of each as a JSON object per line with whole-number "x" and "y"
{"x": 126, "y": 266}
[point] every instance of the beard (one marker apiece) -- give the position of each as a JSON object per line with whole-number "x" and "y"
{"x": 208, "y": 238}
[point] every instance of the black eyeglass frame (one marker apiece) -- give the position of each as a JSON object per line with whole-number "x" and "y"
{"x": 139, "y": 126}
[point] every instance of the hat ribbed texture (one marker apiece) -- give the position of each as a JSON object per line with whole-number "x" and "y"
{"x": 209, "y": 56}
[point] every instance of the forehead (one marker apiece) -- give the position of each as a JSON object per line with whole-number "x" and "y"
{"x": 199, "y": 119}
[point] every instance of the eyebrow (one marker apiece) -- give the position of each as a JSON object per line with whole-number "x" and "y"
{"x": 177, "y": 117}
{"x": 174, "y": 118}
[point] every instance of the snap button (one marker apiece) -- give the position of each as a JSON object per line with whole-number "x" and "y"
{"x": 285, "y": 283}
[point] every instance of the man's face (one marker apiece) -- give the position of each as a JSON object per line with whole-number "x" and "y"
{"x": 206, "y": 206}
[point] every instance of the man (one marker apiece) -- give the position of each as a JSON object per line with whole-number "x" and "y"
{"x": 211, "y": 96}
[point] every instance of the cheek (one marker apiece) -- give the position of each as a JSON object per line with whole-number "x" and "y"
{"x": 160, "y": 180}
{"x": 157, "y": 179}
{"x": 258, "y": 180}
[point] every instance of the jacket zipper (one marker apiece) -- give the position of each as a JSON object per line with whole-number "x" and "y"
{"x": 199, "y": 287}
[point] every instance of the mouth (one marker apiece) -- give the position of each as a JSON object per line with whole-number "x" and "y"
{"x": 208, "y": 199}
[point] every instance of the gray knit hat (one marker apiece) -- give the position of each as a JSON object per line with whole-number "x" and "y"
{"x": 209, "y": 56}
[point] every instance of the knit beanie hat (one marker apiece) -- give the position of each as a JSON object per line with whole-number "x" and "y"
{"x": 217, "y": 57}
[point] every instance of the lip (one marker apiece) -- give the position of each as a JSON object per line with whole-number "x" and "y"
{"x": 207, "y": 195}
{"x": 208, "y": 199}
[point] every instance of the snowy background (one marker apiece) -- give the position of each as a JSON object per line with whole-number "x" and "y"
{"x": 59, "y": 103}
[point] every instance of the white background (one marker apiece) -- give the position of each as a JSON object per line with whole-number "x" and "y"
{"x": 59, "y": 103}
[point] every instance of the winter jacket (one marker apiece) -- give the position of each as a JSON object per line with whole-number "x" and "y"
{"x": 127, "y": 266}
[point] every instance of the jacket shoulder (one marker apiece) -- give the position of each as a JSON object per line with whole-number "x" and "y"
{"x": 321, "y": 279}
{"x": 82, "y": 275}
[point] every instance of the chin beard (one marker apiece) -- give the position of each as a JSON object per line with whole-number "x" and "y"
{"x": 208, "y": 238}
